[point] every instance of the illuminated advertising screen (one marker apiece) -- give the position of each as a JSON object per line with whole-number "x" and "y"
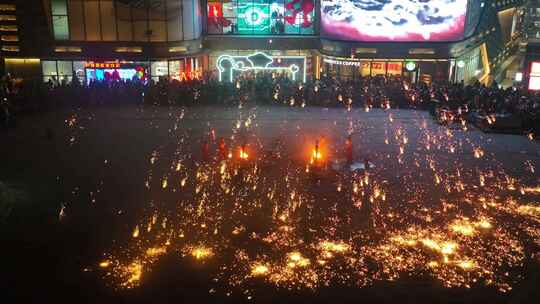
{"x": 534, "y": 79}
{"x": 261, "y": 17}
{"x": 114, "y": 72}
{"x": 393, "y": 20}
{"x": 253, "y": 18}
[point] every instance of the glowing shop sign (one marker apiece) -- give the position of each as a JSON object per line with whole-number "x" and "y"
{"x": 98, "y": 65}
{"x": 253, "y": 18}
{"x": 410, "y": 66}
{"x": 229, "y": 66}
{"x": 342, "y": 62}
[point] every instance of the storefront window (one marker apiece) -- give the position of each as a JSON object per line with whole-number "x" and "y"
{"x": 49, "y": 70}
{"x": 175, "y": 69}
{"x": 347, "y": 71}
{"x": 65, "y": 68}
{"x": 61, "y": 71}
{"x": 57, "y": 71}
{"x": 365, "y": 69}
{"x": 159, "y": 69}
{"x": 467, "y": 66}
{"x": 261, "y": 17}
{"x": 394, "y": 68}
{"x": 78, "y": 69}
{"x": 184, "y": 69}
{"x": 427, "y": 71}
{"x": 378, "y": 68}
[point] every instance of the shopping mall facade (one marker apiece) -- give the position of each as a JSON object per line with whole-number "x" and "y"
{"x": 456, "y": 40}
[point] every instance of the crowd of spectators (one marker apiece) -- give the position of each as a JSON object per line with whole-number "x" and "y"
{"x": 367, "y": 92}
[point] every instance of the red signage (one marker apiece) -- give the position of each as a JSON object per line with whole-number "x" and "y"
{"x": 98, "y": 65}
{"x": 394, "y": 68}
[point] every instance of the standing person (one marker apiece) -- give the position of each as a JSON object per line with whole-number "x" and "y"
{"x": 4, "y": 110}
{"x": 349, "y": 150}
{"x": 222, "y": 148}
{"x": 8, "y": 120}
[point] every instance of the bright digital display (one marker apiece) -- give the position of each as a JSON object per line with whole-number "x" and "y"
{"x": 534, "y": 79}
{"x": 534, "y": 83}
{"x": 253, "y": 18}
{"x": 535, "y": 68}
{"x": 114, "y": 72}
{"x": 393, "y": 20}
{"x": 261, "y": 17}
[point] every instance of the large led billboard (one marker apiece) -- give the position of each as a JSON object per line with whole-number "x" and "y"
{"x": 261, "y": 17}
{"x": 393, "y": 20}
{"x": 534, "y": 79}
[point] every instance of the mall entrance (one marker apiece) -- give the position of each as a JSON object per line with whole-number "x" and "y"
{"x": 412, "y": 70}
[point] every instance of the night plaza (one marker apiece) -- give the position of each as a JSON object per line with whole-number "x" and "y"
{"x": 269, "y": 151}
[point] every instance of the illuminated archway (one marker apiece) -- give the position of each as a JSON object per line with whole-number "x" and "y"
{"x": 230, "y": 66}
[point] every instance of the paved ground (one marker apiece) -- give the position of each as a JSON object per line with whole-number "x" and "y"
{"x": 128, "y": 188}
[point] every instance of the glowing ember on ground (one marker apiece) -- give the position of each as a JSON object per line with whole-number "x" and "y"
{"x": 104, "y": 264}
{"x": 532, "y": 189}
{"x": 334, "y": 247}
{"x": 156, "y": 251}
{"x": 259, "y": 270}
{"x": 434, "y": 203}
{"x": 131, "y": 274}
{"x": 136, "y": 232}
{"x": 296, "y": 259}
{"x": 201, "y": 253}
{"x": 529, "y": 210}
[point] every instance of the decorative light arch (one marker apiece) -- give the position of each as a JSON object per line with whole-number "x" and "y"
{"x": 229, "y": 64}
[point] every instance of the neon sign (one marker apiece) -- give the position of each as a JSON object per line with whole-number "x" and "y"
{"x": 261, "y": 17}
{"x": 229, "y": 66}
{"x": 342, "y": 62}
{"x": 410, "y": 66}
{"x": 97, "y": 65}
